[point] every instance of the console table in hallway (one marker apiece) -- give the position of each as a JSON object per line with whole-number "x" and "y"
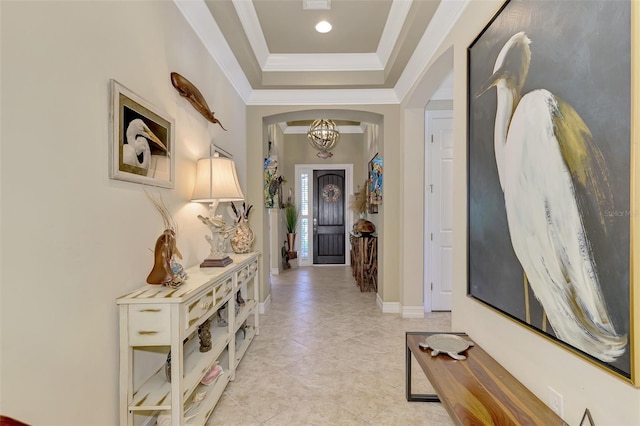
{"x": 364, "y": 261}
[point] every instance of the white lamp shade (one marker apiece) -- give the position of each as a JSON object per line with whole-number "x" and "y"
{"x": 216, "y": 180}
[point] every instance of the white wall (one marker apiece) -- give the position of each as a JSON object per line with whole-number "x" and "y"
{"x": 72, "y": 239}
{"x": 534, "y": 360}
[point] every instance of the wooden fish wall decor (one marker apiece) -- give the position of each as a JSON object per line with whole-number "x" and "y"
{"x": 187, "y": 90}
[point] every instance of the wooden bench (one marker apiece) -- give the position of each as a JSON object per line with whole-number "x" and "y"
{"x": 475, "y": 391}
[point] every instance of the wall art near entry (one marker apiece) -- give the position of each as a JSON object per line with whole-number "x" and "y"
{"x": 142, "y": 140}
{"x": 272, "y": 184}
{"x": 375, "y": 183}
{"x": 549, "y": 174}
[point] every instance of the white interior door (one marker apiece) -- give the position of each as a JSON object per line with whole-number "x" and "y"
{"x": 439, "y": 200}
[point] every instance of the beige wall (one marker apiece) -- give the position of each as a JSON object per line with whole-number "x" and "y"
{"x": 72, "y": 239}
{"x": 349, "y": 150}
{"x": 534, "y": 360}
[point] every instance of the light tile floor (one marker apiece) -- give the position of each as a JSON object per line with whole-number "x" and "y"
{"x": 326, "y": 355}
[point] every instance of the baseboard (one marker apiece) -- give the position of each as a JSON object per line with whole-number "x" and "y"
{"x": 263, "y": 306}
{"x": 387, "y": 307}
{"x": 275, "y": 271}
{"x": 413, "y": 312}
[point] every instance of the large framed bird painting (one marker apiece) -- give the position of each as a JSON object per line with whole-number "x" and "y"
{"x": 142, "y": 140}
{"x": 551, "y": 166}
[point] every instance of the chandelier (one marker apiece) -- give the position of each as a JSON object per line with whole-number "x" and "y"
{"x": 323, "y": 135}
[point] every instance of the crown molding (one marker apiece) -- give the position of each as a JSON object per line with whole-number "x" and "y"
{"x": 322, "y": 62}
{"x": 302, "y": 130}
{"x": 252, "y": 28}
{"x": 443, "y": 21}
{"x": 392, "y": 28}
{"x": 198, "y": 16}
{"x": 324, "y": 97}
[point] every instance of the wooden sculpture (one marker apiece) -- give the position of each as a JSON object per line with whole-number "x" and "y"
{"x": 161, "y": 272}
{"x": 166, "y": 268}
{"x": 187, "y": 90}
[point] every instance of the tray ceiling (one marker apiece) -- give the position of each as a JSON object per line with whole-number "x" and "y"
{"x": 274, "y": 44}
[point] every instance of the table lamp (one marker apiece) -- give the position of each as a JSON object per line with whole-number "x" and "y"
{"x": 216, "y": 181}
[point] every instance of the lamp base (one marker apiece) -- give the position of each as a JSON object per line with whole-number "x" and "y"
{"x": 216, "y": 263}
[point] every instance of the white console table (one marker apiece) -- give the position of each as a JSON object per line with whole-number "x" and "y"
{"x": 157, "y": 318}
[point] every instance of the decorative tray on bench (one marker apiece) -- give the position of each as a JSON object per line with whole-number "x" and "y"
{"x": 449, "y": 344}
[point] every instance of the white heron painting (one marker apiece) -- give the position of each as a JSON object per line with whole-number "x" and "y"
{"x": 136, "y": 148}
{"x": 549, "y": 174}
{"x": 141, "y": 140}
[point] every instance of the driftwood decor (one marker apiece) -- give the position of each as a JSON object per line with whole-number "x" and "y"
{"x": 187, "y": 90}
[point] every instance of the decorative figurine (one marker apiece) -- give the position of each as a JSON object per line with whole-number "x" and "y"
{"x": 187, "y": 90}
{"x": 166, "y": 269}
{"x": 205, "y": 336}
{"x": 242, "y": 240}
{"x": 161, "y": 272}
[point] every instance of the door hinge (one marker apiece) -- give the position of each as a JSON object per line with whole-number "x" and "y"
{"x": 432, "y": 237}
{"x": 431, "y": 137}
{"x": 431, "y": 286}
{"x": 431, "y": 188}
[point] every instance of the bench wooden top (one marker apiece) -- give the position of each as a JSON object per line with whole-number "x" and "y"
{"x": 478, "y": 390}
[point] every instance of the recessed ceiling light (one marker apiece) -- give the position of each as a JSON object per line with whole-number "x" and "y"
{"x": 323, "y": 27}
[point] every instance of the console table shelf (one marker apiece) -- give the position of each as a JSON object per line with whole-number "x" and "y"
{"x": 158, "y": 316}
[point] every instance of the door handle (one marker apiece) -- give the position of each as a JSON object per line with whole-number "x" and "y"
{"x": 315, "y": 225}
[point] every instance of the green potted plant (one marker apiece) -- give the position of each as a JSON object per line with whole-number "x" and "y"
{"x": 291, "y": 214}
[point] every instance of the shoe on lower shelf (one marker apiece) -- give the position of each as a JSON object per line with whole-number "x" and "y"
{"x": 212, "y": 375}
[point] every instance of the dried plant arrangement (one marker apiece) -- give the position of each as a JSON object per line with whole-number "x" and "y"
{"x": 358, "y": 201}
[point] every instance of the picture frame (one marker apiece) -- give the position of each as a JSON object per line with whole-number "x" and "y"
{"x": 375, "y": 190}
{"x": 521, "y": 252}
{"x": 142, "y": 140}
{"x": 272, "y": 184}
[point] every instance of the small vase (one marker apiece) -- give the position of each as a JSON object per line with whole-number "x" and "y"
{"x": 242, "y": 240}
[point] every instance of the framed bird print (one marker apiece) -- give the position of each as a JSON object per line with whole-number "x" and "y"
{"x": 550, "y": 166}
{"x": 142, "y": 140}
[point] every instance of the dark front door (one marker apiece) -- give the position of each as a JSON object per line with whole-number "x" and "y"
{"x": 328, "y": 217}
